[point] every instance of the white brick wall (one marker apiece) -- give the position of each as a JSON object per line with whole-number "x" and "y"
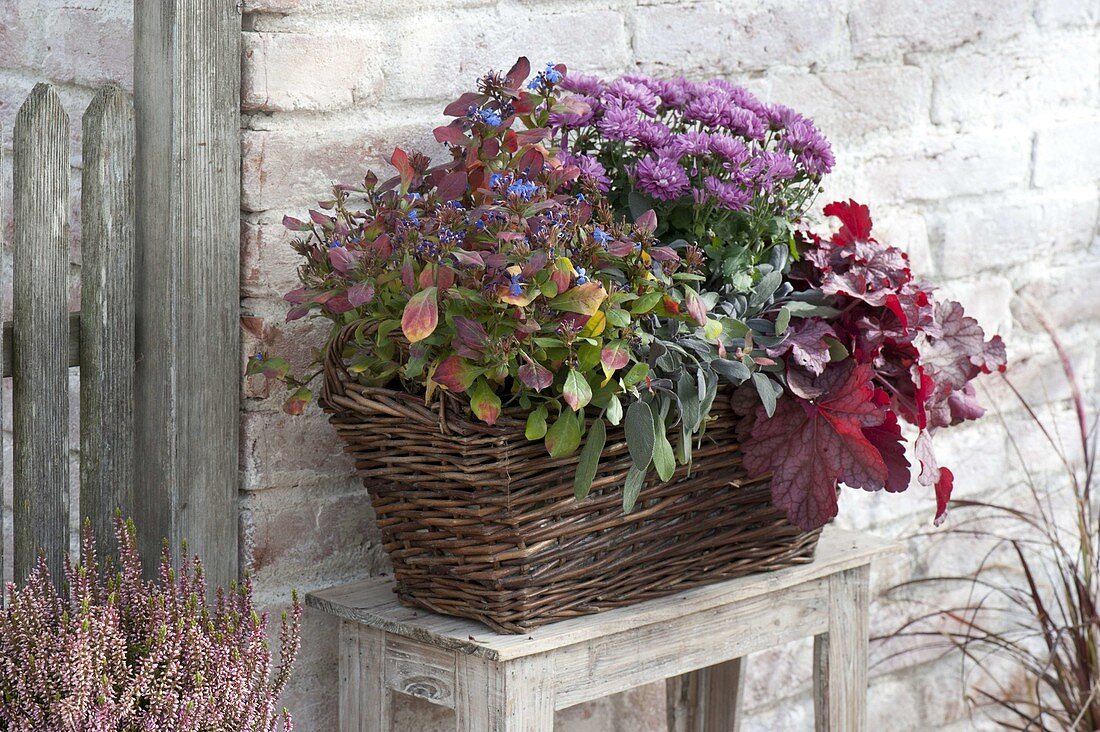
{"x": 970, "y": 126}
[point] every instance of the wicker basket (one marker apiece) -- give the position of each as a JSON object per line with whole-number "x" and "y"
{"x": 481, "y": 523}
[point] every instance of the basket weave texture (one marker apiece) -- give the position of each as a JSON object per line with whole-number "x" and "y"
{"x": 481, "y": 523}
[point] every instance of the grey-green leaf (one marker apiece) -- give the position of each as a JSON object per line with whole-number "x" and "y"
{"x": 589, "y": 460}
{"x": 635, "y": 479}
{"x": 614, "y": 411}
{"x": 639, "y": 434}
{"x": 766, "y": 391}
{"x": 732, "y": 371}
{"x": 764, "y": 289}
{"x": 782, "y": 320}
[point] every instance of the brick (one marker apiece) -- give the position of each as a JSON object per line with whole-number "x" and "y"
{"x": 1068, "y": 153}
{"x": 991, "y": 85}
{"x": 89, "y": 44}
{"x": 295, "y": 167}
{"x": 714, "y": 38}
{"x": 840, "y": 102}
{"x": 1061, "y": 13}
{"x": 991, "y": 235}
{"x": 438, "y": 55}
{"x": 942, "y": 166}
{"x": 288, "y": 71}
{"x": 283, "y": 450}
{"x": 1066, "y": 294}
{"x": 885, "y": 28}
{"x": 269, "y": 263}
{"x": 987, "y": 298}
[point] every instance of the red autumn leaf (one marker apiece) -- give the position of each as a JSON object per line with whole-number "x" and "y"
{"x": 455, "y": 374}
{"x": 451, "y": 134}
{"x": 932, "y": 474}
{"x": 361, "y": 293}
{"x": 453, "y": 186}
{"x": 647, "y": 222}
{"x": 664, "y": 254}
{"x": 808, "y": 446}
{"x": 320, "y": 218}
{"x": 511, "y": 141}
{"x": 294, "y": 224}
{"x": 856, "y": 220}
{"x": 615, "y": 356}
{"x": 535, "y": 375}
{"x": 470, "y": 337}
{"x": 296, "y": 404}
{"x": 518, "y": 73}
{"x": 400, "y": 160}
{"x": 887, "y": 438}
{"x": 484, "y": 403}
{"x": 421, "y": 315}
{"x": 458, "y": 107}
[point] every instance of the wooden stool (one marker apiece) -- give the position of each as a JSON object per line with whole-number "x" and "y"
{"x": 695, "y": 639}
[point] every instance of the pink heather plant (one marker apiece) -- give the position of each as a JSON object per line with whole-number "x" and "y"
{"x": 123, "y": 653}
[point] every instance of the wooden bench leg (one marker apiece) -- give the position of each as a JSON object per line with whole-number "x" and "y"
{"x": 513, "y": 696}
{"x": 706, "y": 700}
{"x": 840, "y": 655}
{"x": 364, "y": 698}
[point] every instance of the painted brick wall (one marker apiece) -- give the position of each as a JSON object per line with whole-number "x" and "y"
{"x": 970, "y": 126}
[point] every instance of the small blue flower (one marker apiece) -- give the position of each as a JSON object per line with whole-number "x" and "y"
{"x": 490, "y": 117}
{"x": 552, "y": 75}
{"x": 534, "y": 84}
{"x": 414, "y": 196}
{"x": 335, "y": 243}
{"x": 602, "y": 237}
{"x": 581, "y": 198}
{"x": 413, "y": 216}
{"x": 259, "y": 356}
{"x": 515, "y": 289}
{"x": 479, "y": 224}
{"x": 582, "y": 275}
{"x": 495, "y": 180}
{"x": 523, "y": 189}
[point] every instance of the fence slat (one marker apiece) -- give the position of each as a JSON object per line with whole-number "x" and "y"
{"x": 40, "y": 407}
{"x": 107, "y": 315}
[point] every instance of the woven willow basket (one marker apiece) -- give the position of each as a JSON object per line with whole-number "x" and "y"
{"x": 481, "y": 523}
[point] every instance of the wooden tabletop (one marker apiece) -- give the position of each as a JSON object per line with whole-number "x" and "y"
{"x": 373, "y": 603}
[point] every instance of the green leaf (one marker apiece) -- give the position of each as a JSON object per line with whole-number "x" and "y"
{"x": 732, "y": 371}
{"x": 638, "y": 203}
{"x": 637, "y": 373}
{"x": 663, "y": 459}
{"x": 688, "y": 392}
{"x": 536, "y": 423}
{"x": 635, "y": 479}
{"x": 576, "y": 392}
{"x": 484, "y": 403}
{"x": 618, "y": 317}
{"x": 614, "y": 412}
{"x": 801, "y": 309}
{"x": 639, "y": 434}
{"x": 766, "y": 391}
{"x": 589, "y": 460}
{"x": 564, "y": 436}
{"x": 765, "y": 288}
{"x": 645, "y": 303}
{"x": 782, "y": 320}
{"x": 837, "y": 350}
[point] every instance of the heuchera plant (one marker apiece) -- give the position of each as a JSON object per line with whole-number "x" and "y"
{"x": 122, "y": 653}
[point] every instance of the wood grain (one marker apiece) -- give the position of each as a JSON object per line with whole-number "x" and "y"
{"x": 187, "y": 109}
{"x": 706, "y": 700}
{"x": 107, "y": 315}
{"x": 40, "y": 394}
{"x": 840, "y": 655}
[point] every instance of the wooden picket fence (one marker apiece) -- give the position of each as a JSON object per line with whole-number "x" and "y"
{"x": 44, "y": 339}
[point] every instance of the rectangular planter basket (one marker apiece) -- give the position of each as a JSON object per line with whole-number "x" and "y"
{"x": 481, "y": 523}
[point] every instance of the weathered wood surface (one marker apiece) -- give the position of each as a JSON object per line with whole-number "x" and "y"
{"x": 40, "y": 394}
{"x": 840, "y": 655}
{"x": 72, "y": 352}
{"x": 694, "y": 640}
{"x": 187, "y": 108}
{"x": 706, "y": 700}
{"x": 107, "y": 315}
{"x": 373, "y": 603}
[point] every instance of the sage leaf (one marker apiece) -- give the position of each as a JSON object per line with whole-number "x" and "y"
{"x": 764, "y": 289}
{"x": 635, "y": 479}
{"x": 766, "y": 391}
{"x": 564, "y": 436}
{"x": 536, "y": 424}
{"x": 732, "y": 371}
{"x": 782, "y": 320}
{"x": 663, "y": 459}
{"x": 589, "y": 460}
{"x": 614, "y": 411}
{"x": 639, "y": 434}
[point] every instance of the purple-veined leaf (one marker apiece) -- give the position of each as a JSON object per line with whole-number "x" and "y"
{"x": 361, "y": 293}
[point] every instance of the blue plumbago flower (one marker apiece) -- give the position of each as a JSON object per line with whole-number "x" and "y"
{"x": 551, "y": 74}
{"x": 479, "y": 224}
{"x": 495, "y": 179}
{"x": 335, "y": 243}
{"x": 515, "y": 289}
{"x": 457, "y": 205}
{"x": 581, "y": 198}
{"x": 414, "y": 196}
{"x": 413, "y": 216}
{"x": 523, "y": 189}
{"x": 582, "y": 275}
{"x": 602, "y": 237}
{"x": 490, "y": 117}
{"x": 259, "y": 355}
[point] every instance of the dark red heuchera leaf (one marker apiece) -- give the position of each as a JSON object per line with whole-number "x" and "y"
{"x": 955, "y": 358}
{"x": 807, "y": 345}
{"x": 890, "y": 444}
{"x": 932, "y": 474}
{"x": 811, "y": 445}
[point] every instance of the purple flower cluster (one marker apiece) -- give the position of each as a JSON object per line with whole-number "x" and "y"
{"x": 675, "y": 138}
{"x": 129, "y": 654}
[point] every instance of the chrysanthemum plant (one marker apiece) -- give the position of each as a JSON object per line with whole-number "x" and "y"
{"x": 620, "y": 254}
